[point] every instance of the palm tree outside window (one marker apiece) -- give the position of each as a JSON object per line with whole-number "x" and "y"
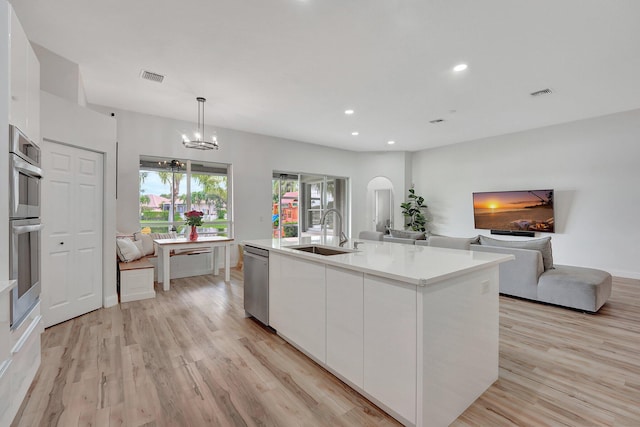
{"x": 166, "y": 195}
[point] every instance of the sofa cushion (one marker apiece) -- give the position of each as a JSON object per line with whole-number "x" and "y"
{"x": 400, "y": 240}
{"x": 543, "y": 245}
{"x": 407, "y": 234}
{"x": 576, "y": 287}
{"x": 451, "y": 242}
{"x": 128, "y": 250}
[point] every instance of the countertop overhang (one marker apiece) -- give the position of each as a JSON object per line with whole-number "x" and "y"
{"x": 418, "y": 265}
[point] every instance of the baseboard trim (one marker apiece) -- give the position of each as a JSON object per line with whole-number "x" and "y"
{"x": 110, "y": 301}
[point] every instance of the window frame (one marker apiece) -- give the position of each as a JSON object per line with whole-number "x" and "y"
{"x": 147, "y": 164}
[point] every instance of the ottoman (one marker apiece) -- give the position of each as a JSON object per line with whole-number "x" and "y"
{"x": 576, "y": 287}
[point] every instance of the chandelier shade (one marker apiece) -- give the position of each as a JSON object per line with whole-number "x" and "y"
{"x": 198, "y": 142}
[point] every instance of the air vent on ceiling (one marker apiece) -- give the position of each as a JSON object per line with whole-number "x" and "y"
{"x": 436, "y": 121}
{"x": 542, "y": 92}
{"x": 154, "y": 77}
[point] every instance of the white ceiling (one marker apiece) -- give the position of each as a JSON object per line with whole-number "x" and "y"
{"x": 290, "y": 68}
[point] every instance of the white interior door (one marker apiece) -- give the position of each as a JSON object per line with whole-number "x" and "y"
{"x": 72, "y": 218}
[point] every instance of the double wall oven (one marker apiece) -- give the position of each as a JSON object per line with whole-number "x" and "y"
{"x": 24, "y": 223}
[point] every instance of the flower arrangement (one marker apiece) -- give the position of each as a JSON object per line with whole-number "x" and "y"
{"x": 194, "y": 218}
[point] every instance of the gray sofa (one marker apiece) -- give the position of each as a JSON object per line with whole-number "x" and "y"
{"x": 532, "y": 275}
{"x": 407, "y": 237}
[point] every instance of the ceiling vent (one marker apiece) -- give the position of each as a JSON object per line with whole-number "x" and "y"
{"x": 148, "y": 75}
{"x": 436, "y": 121}
{"x": 542, "y": 92}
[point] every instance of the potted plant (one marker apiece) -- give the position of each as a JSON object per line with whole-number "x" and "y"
{"x": 412, "y": 209}
{"x": 194, "y": 219}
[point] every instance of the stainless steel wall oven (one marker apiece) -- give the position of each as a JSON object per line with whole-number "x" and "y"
{"x": 24, "y": 176}
{"x": 24, "y": 266}
{"x": 24, "y": 224}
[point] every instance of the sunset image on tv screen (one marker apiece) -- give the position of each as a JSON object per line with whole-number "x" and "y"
{"x": 514, "y": 210}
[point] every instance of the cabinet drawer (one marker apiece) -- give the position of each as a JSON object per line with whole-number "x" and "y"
{"x": 5, "y": 393}
{"x": 25, "y": 325}
{"x": 25, "y": 361}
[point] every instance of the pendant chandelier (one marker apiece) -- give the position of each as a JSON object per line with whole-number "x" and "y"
{"x": 199, "y": 142}
{"x": 173, "y": 165}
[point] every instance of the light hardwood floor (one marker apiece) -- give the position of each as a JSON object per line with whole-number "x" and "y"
{"x": 189, "y": 357}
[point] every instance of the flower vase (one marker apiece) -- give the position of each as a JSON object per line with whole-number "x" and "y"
{"x": 193, "y": 236}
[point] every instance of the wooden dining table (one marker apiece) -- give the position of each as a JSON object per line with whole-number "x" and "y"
{"x": 165, "y": 246}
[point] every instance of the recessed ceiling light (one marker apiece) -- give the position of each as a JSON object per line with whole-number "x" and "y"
{"x": 391, "y": 142}
{"x": 355, "y": 133}
{"x": 460, "y": 67}
{"x": 349, "y": 112}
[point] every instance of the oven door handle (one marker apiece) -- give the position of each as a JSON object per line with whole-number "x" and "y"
{"x": 26, "y": 168}
{"x": 20, "y": 229}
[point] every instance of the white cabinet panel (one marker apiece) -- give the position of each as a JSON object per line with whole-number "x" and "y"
{"x": 345, "y": 329}
{"x": 297, "y": 304}
{"x": 18, "y": 49}
{"x": 456, "y": 367}
{"x": 390, "y": 344}
{"x": 25, "y": 362}
{"x": 5, "y": 320}
{"x": 33, "y": 96}
{"x": 24, "y": 109}
{"x": 6, "y": 414}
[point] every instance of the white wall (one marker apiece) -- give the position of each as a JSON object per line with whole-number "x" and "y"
{"x": 66, "y": 122}
{"x": 593, "y": 165}
{"x": 254, "y": 158}
{"x": 59, "y": 76}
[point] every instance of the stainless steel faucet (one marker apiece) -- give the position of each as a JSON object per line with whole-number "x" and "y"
{"x": 343, "y": 237}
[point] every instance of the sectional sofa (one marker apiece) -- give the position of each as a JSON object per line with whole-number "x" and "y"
{"x": 533, "y": 275}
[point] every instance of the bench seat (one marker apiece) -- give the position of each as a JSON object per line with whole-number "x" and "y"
{"x": 136, "y": 280}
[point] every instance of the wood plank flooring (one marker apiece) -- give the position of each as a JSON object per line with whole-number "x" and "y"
{"x": 189, "y": 357}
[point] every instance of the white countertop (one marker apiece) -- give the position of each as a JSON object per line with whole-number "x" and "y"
{"x": 419, "y": 265}
{"x": 7, "y": 285}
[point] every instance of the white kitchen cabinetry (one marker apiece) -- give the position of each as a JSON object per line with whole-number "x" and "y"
{"x": 6, "y": 414}
{"x": 345, "y": 327}
{"x": 390, "y": 331}
{"x": 6, "y": 371}
{"x": 33, "y": 96}
{"x": 414, "y": 329}
{"x": 24, "y": 110}
{"x": 297, "y": 301}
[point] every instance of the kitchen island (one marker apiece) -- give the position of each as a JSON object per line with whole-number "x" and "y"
{"x": 412, "y": 328}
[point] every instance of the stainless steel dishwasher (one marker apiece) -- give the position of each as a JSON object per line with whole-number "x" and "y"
{"x": 256, "y": 283}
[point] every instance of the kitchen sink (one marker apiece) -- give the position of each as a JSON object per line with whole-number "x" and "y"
{"x": 321, "y": 250}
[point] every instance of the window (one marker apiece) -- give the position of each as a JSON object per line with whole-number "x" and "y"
{"x": 169, "y": 189}
{"x": 300, "y": 200}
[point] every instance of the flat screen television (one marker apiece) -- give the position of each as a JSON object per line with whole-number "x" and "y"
{"x": 529, "y": 210}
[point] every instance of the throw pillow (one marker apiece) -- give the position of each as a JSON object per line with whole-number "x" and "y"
{"x": 543, "y": 245}
{"x": 127, "y": 250}
{"x": 147, "y": 242}
{"x": 169, "y": 235}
